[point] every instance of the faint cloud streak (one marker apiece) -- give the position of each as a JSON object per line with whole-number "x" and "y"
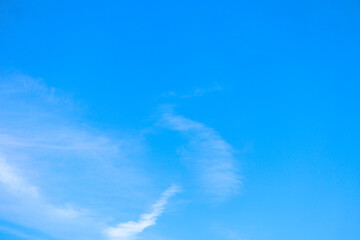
{"x": 129, "y": 230}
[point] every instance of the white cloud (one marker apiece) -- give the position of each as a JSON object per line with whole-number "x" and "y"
{"x": 129, "y": 230}
{"x": 52, "y": 161}
{"x": 213, "y": 156}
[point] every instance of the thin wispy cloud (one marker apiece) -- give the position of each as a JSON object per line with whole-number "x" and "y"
{"x": 211, "y": 155}
{"x": 129, "y": 230}
{"x": 22, "y": 203}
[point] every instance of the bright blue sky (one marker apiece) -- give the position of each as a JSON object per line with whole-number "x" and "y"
{"x": 173, "y": 120}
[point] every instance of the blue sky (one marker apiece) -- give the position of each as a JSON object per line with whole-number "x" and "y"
{"x": 172, "y": 120}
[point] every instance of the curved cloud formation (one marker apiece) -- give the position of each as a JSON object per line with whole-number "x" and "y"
{"x": 212, "y": 155}
{"x": 128, "y": 230}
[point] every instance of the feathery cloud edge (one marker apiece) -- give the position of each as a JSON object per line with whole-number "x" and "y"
{"x": 128, "y": 230}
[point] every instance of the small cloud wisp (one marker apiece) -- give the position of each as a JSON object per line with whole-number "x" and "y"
{"x": 129, "y": 230}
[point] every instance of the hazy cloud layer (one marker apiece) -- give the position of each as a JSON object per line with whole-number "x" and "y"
{"x": 57, "y": 174}
{"x": 22, "y": 203}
